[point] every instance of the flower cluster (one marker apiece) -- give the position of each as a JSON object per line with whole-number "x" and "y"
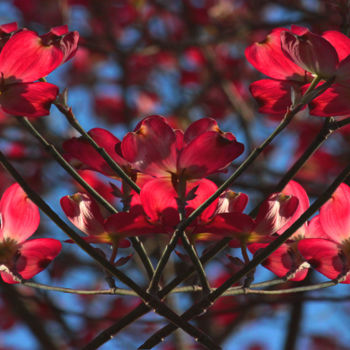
{"x": 171, "y": 167}
{"x": 322, "y": 242}
{"x": 293, "y": 58}
{"x": 166, "y": 190}
{"x": 26, "y": 57}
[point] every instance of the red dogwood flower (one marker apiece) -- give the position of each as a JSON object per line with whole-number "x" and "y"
{"x": 27, "y": 57}
{"x": 330, "y": 253}
{"x": 292, "y": 58}
{"x": 287, "y": 260}
{"x": 20, "y": 257}
{"x": 156, "y": 149}
{"x": 274, "y": 95}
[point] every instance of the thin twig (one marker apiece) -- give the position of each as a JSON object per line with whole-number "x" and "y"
{"x": 110, "y": 291}
{"x": 50, "y": 148}
{"x": 244, "y": 113}
{"x": 197, "y": 263}
{"x": 330, "y": 125}
{"x": 154, "y": 284}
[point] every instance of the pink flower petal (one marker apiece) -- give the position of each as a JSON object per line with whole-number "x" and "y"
{"x": 19, "y": 215}
{"x": 199, "y": 127}
{"x": 343, "y": 71}
{"x": 7, "y": 277}
{"x": 204, "y": 189}
{"x": 36, "y": 255}
{"x": 273, "y": 96}
{"x": 323, "y": 256}
{"x": 334, "y": 214}
{"x": 235, "y": 225}
{"x": 296, "y": 190}
{"x": 282, "y": 261}
{"x": 31, "y": 100}
{"x": 152, "y": 147}
{"x": 231, "y": 201}
{"x": 335, "y": 101}
{"x": 8, "y": 27}
{"x": 274, "y": 213}
{"x": 268, "y": 58}
{"x": 84, "y": 213}
{"x": 208, "y": 153}
{"x": 95, "y": 181}
{"x": 24, "y": 58}
{"x": 158, "y": 199}
{"x": 293, "y": 188}
{"x": 66, "y": 41}
{"x": 110, "y": 143}
{"x": 133, "y": 223}
{"x": 339, "y": 41}
{"x": 78, "y": 149}
{"x": 315, "y": 229}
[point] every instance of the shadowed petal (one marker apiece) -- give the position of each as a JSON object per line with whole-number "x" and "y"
{"x": 335, "y": 101}
{"x": 133, "y": 223}
{"x": 273, "y": 96}
{"x": 152, "y": 147}
{"x": 208, "y": 153}
{"x": 78, "y": 149}
{"x": 310, "y": 52}
{"x": 235, "y": 225}
{"x": 323, "y": 256}
{"x": 31, "y": 100}
{"x": 281, "y": 262}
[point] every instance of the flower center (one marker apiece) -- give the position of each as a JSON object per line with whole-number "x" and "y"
{"x": 345, "y": 247}
{"x": 8, "y": 250}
